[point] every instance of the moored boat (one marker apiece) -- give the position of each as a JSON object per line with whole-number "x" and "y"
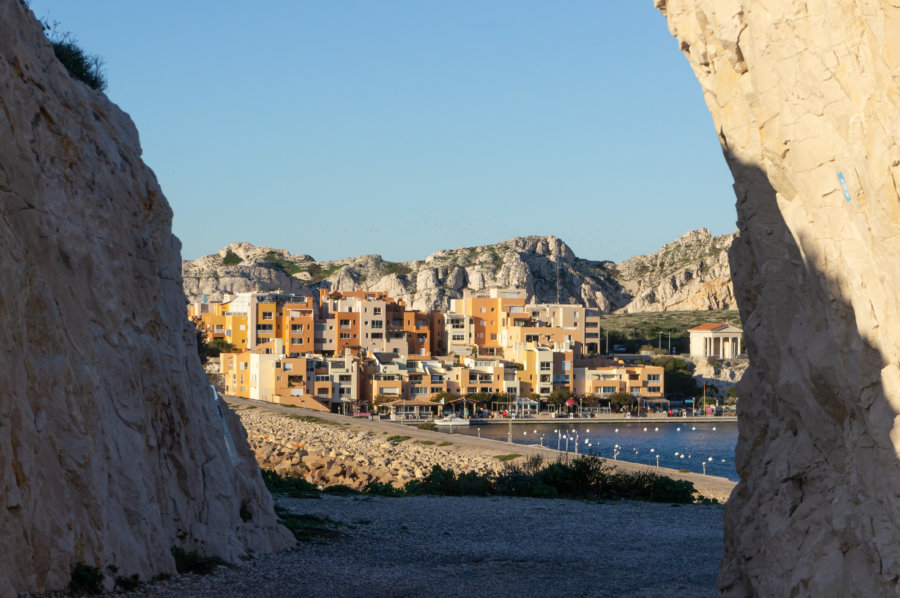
{"x": 452, "y": 420}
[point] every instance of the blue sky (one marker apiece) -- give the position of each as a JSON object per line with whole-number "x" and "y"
{"x": 345, "y": 128}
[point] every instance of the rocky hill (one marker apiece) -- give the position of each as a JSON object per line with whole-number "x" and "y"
{"x": 690, "y": 273}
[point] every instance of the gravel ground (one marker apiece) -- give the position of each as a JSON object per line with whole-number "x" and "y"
{"x": 497, "y": 547}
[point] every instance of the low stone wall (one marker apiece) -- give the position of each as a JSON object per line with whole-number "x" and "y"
{"x": 327, "y": 454}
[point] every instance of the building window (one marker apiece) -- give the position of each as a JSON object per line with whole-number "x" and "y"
{"x": 458, "y": 337}
{"x": 266, "y": 315}
{"x": 345, "y": 335}
{"x": 545, "y": 366}
{"x": 376, "y": 311}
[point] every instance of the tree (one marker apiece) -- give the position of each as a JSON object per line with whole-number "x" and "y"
{"x": 381, "y": 399}
{"x": 446, "y": 396}
{"x": 677, "y": 376}
{"x": 203, "y": 348}
{"x": 560, "y": 395}
{"x": 619, "y": 400}
{"x": 731, "y": 395}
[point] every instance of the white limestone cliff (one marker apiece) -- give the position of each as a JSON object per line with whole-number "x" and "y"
{"x": 112, "y": 450}
{"x": 805, "y": 97}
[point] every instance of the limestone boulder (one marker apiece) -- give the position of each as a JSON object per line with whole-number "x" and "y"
{"x": 112, "y": 447}
{"x": 805, "y": 97}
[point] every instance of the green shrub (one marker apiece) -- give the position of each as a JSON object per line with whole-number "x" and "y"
{"x": 307, "y": 527}
{"x": 508, "y": 457}
{"x": 382, "y": 489}
{"x": 87, "y": 68}
{"x": 85, "y": 580}
{"x": 231, "y": 259}
{"x": 397, "y": 438}
{"x": 191, "y": 562}
{"x": 128, "y": 584}
{"x": 339, "y": 490}
{"x": 444, "y": 482}
{"x": 293, "y": 487}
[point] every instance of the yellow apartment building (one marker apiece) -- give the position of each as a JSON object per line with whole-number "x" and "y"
{"x": 605, "y": 377}
{"x": 544, "y": 368}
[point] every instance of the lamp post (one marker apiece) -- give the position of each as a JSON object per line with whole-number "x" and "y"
{"x": 558, "y": 439}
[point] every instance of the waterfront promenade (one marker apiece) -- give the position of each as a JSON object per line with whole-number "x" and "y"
{"x": 606, "y": 418}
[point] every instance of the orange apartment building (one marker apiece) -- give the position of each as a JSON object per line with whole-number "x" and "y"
{"x": 485, "y": 312}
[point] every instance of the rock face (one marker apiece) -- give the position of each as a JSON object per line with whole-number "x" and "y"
{"x": 806, "y": 101}
{"x": 111, "y": 448}
{"x": 690, "y": 273}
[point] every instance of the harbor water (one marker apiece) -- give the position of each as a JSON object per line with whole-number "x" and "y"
{"x": 697, "y": 446}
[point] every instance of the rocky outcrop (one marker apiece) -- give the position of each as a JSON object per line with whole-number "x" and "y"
{"x": 804, "y": 97}
{"x": 112, "y": 450}
{"x": 690, "y": 273}
{"x": 330, "y": 455}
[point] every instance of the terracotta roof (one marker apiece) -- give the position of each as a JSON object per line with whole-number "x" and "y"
{"x": 712, "y": 326}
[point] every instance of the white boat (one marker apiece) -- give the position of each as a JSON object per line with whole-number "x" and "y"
{"x": 453, "y": 420}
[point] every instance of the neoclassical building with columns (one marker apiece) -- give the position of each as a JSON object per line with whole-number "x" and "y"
{"x": 720, "y": 340}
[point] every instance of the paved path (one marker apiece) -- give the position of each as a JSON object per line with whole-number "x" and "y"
{"x": 709, "y": 486}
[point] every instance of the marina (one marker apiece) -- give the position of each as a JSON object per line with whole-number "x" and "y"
{"x": 696, "y": 445}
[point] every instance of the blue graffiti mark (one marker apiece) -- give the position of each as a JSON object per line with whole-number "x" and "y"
{"x": 844, "y": 186}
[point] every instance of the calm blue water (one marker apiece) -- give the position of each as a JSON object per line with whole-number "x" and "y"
{"x": 682, "y": 445}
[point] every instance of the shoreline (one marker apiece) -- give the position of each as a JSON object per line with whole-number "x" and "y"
{"x": 710, "y": 419}
{"x": 472, "y": 447}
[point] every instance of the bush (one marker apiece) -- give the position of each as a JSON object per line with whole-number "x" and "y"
{"x": 293, "y": 487}
{"x": 85, "y": 580}
{"x": 87, "y": 68}
{"x": 382, "y": 489}
{"x": 231, "y": 259}
{"x": 444, "y": 482}
{"x": 191, "y": 562}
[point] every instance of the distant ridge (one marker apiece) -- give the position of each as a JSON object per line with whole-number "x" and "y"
{"x": 691, "y": 272}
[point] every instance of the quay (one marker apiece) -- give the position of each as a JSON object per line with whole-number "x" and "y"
{"x": 606, "y": 418}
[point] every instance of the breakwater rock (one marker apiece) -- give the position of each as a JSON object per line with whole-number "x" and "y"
{"x": 326, "y": 454}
